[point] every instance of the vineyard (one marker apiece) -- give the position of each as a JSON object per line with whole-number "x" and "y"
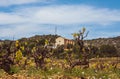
{"x": 35, "y": 59}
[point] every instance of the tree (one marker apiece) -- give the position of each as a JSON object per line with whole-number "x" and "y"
{"x": 6, "y": 59}
{"x": 40, "y": 54}
{"x": 82, "y": 50}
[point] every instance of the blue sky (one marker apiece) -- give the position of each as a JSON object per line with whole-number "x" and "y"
{"x": 26, "y": 18}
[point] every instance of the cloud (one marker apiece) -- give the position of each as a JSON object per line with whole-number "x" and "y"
{"x": 72, "y": 14}
{"x": 24, "y": 30}
{"x": 76, "y": 15}
{"x": 27, "y": 21}
{"x": 64, "y": 14}
{"x": 19, "y": 2}
{"x": 9, "y": 18}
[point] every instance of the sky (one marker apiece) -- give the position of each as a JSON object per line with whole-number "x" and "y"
{"x": 26, "y": 18}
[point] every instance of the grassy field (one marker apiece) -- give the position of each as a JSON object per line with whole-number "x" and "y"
{"x": 58, "y": 70}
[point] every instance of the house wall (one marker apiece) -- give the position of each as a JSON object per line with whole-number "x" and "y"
{"x": 60, "y": 41}
{"x": 63, "y": 41}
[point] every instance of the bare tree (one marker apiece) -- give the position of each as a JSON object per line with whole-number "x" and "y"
{"x": 83, "y": 51}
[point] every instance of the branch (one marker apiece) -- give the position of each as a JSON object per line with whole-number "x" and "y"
{"x": 86, "y": 35}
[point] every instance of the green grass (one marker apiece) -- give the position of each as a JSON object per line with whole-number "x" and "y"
{"x": 15, "y": 69}
{"x": 2, "y": 73}
{"x": 51, "y": 71}
{"x": 75, "y": 72}
{"x": 32, "y": 71}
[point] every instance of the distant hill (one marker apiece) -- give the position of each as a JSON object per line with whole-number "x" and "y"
{"x": 105, "y": 41}
{"x": 38, "y": 37}
{"x": 96, "y": 42}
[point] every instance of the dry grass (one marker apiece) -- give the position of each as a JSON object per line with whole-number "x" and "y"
{"x": 59, "y": 72}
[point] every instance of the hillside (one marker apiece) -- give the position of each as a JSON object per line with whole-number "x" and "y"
{"x": 96, "y": 42}
{"x": 105, "y": 41}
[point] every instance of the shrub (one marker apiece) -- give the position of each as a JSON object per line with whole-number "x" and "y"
{"x": 108, "y": 51}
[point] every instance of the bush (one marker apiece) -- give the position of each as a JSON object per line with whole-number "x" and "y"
{"x": 59, "y": 52}
{"x": 108, "y": 51}
{"x": 94, "y": 51}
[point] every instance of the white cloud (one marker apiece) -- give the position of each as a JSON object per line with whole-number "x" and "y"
{"x": 9, "y": 18}
{"x": 65, "y": 14}
{"x": 72, "y": 14}
{"x": 76, "y": 15}
{"x": 32, "y": 18}
{"x": 19, "y": 2}
{"x": 23, "y": 30}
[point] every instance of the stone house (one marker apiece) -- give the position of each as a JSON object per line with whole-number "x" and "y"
{"x": 63, "y": 41}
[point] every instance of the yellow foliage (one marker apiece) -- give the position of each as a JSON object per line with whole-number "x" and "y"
{"x": 47, "y": 60}
{"x": 18, "y": 55}
{"x": 40, "y": 57}
{"x": 17, "y": 43}
{"x": 46, "y": 42}
{"x": 75, "y": 35}
{"x": 65, "y": 61}
{"x": 22, "y": 47}
{"x": 95, "y": 65}
{"x": 26, "y": 43}
{"x": 33, "y": 49}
